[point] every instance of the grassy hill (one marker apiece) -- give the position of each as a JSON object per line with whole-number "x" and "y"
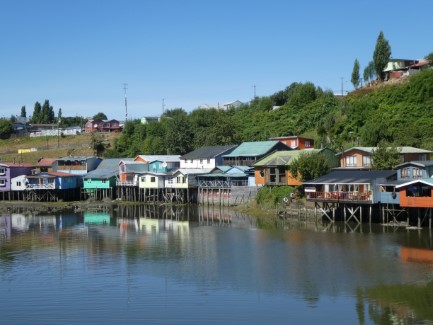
{"x": 49, "y": 147}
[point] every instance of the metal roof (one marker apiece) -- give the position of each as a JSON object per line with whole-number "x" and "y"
{"x": 418, "y": 163}
{"x": 251, "y": 149}
{"x": 282, "y": 158}
{"x": 352, "y": 177}
{"x": 208, "y": 152}
{"x": 426, "y": 181}
{"x": 402, "y": 150}
{"x": 164, "y": 158}
{"x": 107, "y": 168}
{"x": 189, "y": 171}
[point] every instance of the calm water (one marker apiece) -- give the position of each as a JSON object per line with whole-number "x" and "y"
{"x": 209, "y": 266}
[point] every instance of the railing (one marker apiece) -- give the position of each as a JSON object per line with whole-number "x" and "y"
{"x": 131, "y": 183}
{"x": 50, "y": 186}
{"x": 339, "y": 196}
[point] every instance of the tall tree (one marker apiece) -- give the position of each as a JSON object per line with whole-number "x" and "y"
{"x": 308, "y": 166}
{"x": 385, "y": 157}
{"x": 23, "y": 112}
{"x": 37, "y": 111}
{"x": 369, "y": 72}
{"x": 59, "y": 116}
{"x": 381, "y": 55}
{"x": 355, "y": 74}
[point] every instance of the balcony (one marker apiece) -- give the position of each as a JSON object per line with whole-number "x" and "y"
{"x": 339, "y": 196}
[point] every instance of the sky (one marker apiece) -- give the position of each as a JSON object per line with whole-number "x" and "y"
{"x": 82, "y": 54}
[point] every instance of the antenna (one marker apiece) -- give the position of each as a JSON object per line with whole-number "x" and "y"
{"x": 126, "y": 102}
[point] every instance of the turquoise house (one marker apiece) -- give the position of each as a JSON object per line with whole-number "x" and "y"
{"x": 101, "y": 183}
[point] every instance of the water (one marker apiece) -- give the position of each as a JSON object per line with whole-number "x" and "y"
{"x": 209, "y": 266}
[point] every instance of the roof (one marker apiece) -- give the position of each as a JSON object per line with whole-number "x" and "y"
{"x": 73, "y": 158}
{"x": 257, "y": 148}
{"x": 403, "y": 149}
{"x": 107, "y": 168}
{"x": 207, "y": 152}
{"x": 192, "y": 171}
{"x": 342, "y": 176}
{"x": 426, "y": 181}
{"x": 165, "y": 158}
{"x": 418, "y": 163}
{"x": 46, "y": 162}
{"x": 52, "y": 174}
{"x": 281, "y": 158}
{"x": 7, "y": 164}
{"x": 237, "y": 175}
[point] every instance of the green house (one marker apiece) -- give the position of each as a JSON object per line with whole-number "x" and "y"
{"x": 101, "y": 183}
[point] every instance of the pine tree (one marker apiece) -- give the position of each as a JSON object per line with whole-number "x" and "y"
{"x": 381, "y": 55}
{"x": 355, "y": 74}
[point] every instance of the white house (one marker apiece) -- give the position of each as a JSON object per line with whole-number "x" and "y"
{"x": 205, "y": 157}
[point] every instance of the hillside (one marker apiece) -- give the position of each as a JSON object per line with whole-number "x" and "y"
{"x": 49, "y": 147}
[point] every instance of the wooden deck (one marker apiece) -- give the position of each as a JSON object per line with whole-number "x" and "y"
{"x": 364, "y": 197}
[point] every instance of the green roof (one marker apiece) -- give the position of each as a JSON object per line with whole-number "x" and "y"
{"x": 282, "y": 158}
{"x": 251, "y": 149}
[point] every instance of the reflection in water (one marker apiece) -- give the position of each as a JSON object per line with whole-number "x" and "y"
{"x": 192, "y": 263}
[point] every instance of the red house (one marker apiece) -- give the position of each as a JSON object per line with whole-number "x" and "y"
{"x": 102, "y": 126}
{"x": 295, "y": 142}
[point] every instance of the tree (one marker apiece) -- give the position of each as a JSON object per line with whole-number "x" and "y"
{"x": 37, "y": 111}
{"x": 6, "y": 128}
{"x": 385, "y": 157}
{"x": 98, "y": 144}
{"x": 308, "y": 166}
{"x": 381, "y": 55}
{"x": 369, "y": 72}
{"x": 59, "y": 116}
{"x": 355, "y": 74}
{"x": 23, "y": 112}
{"x": 100, "y": 116}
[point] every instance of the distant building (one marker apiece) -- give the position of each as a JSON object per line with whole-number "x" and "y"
{"x": 148, "y": 119}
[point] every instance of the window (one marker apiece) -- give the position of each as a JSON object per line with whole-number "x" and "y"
{"x": 208, "y": 160}
{"x": 293, "y": 143}
{"x": 18, "y": 183}
{"x": 422, "y": 157}
{"x": 201, "y": 161}
{"x": 366, "y": 161}
{"x": 2, "y": 171}
{"x": 143, "y": 179}
{"x": 405, "y": 172}
{"x": 153, "y": 179}
{"x": 2, "y": 182}
{"x": 104, "y": 181}
{"x": 417, "y": 173}
{"x": 351, "y": 161}
{"x": 307, "y": 143}
{"x": 170, "y": 181}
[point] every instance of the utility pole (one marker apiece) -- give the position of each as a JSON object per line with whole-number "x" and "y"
{"x": 342, "y": 90}
{"x": 163, "y": 106}
{"x": 254, "y": 86}
{"x": 126, "y": 102}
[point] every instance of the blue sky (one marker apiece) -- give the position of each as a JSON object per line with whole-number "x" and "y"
{"x": 78, "y": 54}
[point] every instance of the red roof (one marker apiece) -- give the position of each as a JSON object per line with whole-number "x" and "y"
{"x": 46, "y": 162}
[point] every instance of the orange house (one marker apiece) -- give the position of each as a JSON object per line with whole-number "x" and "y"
{"x": 417, "y": 193}
{"x": 295, "y": 142}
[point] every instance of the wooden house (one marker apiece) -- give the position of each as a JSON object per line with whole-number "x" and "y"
{"x": 206, "y": 157}
{"x": 360, "y": 157}
{"x": 185, "y": 178}
{"x": 102, "y": 126}
{"x": 151, "y": 180}
{"x": 45, "y": 165}
{"x": 159, "y": 163}
{"x": 417, "y": 193}
{"x": 296, "y": 142}
{"x": 76, "y": 165}
{"x": 52, "y": 186}
{"x": 274, "y": 169}
{"x": 129, "y": 172}
{"x": 248, "y": 153}
{"x": 227, "y": 177}
{"x": 101, "y": 182}
{"x": 340, "y": 185}
{"x": 9, "y": 171}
